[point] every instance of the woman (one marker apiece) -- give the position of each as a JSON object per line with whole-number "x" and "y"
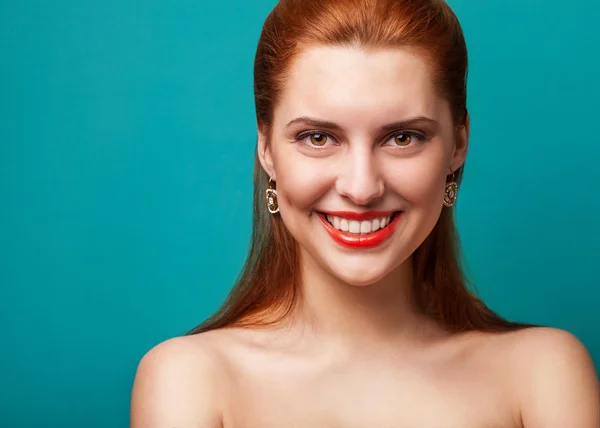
{"x": 352, "y": 310}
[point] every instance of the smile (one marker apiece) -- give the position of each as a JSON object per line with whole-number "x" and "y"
{"x": 360, "y": 230}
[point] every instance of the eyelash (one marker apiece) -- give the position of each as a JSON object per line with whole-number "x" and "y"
{"x": 420, "y": 139}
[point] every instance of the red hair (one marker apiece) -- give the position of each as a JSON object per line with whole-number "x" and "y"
{"x": 269, "y": 284}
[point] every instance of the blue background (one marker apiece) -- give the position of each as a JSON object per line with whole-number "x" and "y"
{"x": 127, "y": 134}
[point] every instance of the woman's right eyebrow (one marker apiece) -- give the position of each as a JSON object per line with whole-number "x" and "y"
{"x": 316, "y": 123}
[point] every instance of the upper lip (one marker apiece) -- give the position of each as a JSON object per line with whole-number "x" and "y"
{"x": 367, "y": 215}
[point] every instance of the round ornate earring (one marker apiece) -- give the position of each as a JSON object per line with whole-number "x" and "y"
{"x": 271, "y": 195}
{"x": 451, "y": 192}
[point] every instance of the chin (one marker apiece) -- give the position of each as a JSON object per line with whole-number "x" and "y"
{"x": 360, "y": 282}
{"x": 360, "y": 273}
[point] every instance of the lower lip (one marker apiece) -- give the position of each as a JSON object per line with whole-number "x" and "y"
{"x": 367, "y": 240}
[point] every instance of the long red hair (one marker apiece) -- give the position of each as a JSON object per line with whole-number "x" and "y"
{"x": 269, "y": 285}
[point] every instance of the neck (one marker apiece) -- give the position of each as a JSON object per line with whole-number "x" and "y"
{"x": 347, "y": 315}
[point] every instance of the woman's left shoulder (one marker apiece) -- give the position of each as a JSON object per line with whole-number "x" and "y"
{"x": 541, "y": 351}
{"x": 533, "y": 340}
{"x": 552, "y": 374}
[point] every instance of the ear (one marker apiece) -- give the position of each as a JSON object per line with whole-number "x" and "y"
{"x": 461, "y": 144}
{"x": 264, "y": 154}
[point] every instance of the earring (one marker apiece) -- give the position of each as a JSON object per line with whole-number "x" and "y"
{"x": 271, "y": 194}
{"x": 451, "y": 192}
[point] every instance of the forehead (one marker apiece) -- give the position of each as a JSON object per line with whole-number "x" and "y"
{"x": 351, "y": 84}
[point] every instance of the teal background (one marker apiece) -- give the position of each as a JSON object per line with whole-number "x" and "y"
{"x": 126, "y": 143}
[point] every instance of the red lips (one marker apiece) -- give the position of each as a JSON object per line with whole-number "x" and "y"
{"x": 367, "y": 240}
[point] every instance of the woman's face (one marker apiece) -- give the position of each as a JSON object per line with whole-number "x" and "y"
{"x": 360, "y": 149}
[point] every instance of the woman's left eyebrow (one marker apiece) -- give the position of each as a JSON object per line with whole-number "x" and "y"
{"x": 413, "y": 121}
{"x": 405, "y": 123}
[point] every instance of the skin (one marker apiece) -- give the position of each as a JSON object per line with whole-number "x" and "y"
{"x": 357, "y": 351}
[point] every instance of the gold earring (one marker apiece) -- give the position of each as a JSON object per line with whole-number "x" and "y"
{"x": 451, "y": 192}
{"x": 271, "y": 194}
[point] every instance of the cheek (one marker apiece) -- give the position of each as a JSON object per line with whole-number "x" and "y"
{"x": 300, "y": 180}
{"x": 420, "y": 180}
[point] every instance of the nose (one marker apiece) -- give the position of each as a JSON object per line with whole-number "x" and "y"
{"x": 359, "y": 178}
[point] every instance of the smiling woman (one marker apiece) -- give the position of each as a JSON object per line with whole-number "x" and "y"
{"x": 352, "y": 309}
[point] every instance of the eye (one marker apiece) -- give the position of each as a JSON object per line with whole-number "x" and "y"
{"x": 406, "y": 139}
{"x": 403, "y": 139}
{"x": 317, "y": 139}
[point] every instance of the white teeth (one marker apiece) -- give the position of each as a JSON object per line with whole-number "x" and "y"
{"x": 343, "y": 225}
{"x": 375, "y": 225}
{"x": 365, "y": 226}
{"x": 336, "y": 222}
{"x": 355, "y": 226}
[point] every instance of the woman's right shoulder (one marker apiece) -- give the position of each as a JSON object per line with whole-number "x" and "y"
{"x": 179, "y": 383}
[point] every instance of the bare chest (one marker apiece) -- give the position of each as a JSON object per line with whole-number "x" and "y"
{"x": 367, "y": 395}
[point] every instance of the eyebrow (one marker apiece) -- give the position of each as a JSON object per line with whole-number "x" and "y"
{"x": 318, "y": 123}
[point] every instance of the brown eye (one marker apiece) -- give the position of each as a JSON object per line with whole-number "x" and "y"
{"x": 403, "y": 139}
{"x": 318, "y": 139}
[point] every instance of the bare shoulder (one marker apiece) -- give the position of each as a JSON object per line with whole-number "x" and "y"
{"x": 553, "y": 377}
{"x": 543, "y": 351}
{"x": 179, "y": 383}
